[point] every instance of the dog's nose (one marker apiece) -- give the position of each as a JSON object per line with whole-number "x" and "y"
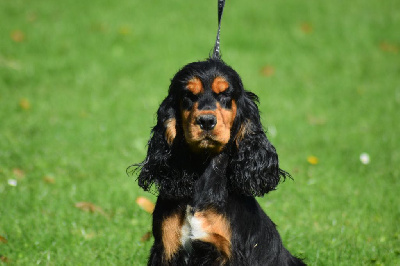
{"x": 206, "y": 122}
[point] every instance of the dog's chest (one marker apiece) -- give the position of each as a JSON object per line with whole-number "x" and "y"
{"x": 193, "y": 228}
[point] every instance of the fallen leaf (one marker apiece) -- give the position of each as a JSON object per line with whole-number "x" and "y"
{"x": 90, "y": 207}
{"x": 146, "y": 237}
{"x": 86, "y": 206}
{"x": 4, "y": 259}
{"x": 312, "y": 160}
{"x": 267, "y": 71}
{"x": 389, "y": 47}
{"x": 49, "y": 180}
{"x": 3, "y": 240}
{"x": 25, "y": 104}
{"x": 145, "y": 204}
{"x": 306, "y": 27}
{"x": 17, "y": 36}
{"x": 18, "y": 173}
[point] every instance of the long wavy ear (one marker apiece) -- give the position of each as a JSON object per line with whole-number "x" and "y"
{"x": 166, "y": 168}
{"x": 157, "y": 162}
{"x": 254, "y": 165}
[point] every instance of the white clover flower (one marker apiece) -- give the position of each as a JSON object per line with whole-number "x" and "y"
{"x": 364, "y": 158}
{"x": 12, "y": 182}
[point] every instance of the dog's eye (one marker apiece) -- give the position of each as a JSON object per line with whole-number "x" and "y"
{"x": 188, "y": 100}
{"x": 190, "y": 97}
{"x": 224, "y": 99}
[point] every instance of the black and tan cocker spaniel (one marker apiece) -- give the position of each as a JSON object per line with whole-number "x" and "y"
{"x": 208, "y": 157}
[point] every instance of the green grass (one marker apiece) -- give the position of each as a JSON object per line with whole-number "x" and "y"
{"x": 93, "y": 74}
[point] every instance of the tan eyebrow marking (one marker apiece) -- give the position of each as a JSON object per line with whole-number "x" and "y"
{"x": 219, "y": 85}
{"x": 195, "y": 86}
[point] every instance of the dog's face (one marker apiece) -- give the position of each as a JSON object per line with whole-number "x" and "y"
{"x": 207, "y": 96}
{"x": 207, "y": 112}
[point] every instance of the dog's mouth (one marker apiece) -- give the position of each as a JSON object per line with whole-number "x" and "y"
{"x": 207, "y": 142}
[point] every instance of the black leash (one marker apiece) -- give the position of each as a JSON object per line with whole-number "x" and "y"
{"x": 216, "y": 53}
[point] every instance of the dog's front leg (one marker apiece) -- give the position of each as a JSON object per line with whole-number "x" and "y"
{"x": 168, "y": 219}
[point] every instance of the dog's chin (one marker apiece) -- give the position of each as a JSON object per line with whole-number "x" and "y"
{"x": 207, "y": 145}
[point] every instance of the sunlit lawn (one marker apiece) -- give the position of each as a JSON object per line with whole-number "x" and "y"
{"x": 80, "y": 83}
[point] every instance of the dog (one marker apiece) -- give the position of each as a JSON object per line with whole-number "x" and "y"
{"x": 208, "y": 158}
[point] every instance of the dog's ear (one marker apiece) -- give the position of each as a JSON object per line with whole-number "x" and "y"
{"x": 164, "y": 171}
{"x": 254, "y": 167}
{"x": 157, "y": 162}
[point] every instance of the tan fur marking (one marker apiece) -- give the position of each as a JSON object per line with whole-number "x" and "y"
{"x": 219, "y": 85}
{"x": 189, "y": 130}
{"x": 195, "y": 86}
{"x": 227, "y": 117}
{"x": 170, "y": 130}
{"x": 171, "y": 234}
{"x": 243, "y": 131}
{"x": 218, "y": 229}
{"x": 219, "y": 136}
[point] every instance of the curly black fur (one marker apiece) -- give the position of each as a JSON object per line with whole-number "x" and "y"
{"x": 220, "y": 187}
{"x": 253, "y": 168}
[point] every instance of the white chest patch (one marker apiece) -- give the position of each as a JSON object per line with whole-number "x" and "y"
{"x": 192, "y": 229}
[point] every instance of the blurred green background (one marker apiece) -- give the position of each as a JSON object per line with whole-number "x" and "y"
{"x": 80, "y": 82}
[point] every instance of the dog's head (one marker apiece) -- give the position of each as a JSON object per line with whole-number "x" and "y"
{"x": 206, "y": 102}
{"x": 208, "y": 112}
